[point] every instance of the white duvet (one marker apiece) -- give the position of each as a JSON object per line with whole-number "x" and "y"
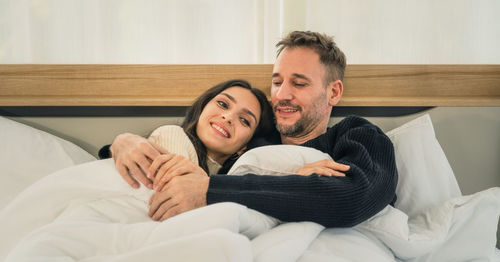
{"x": 87, "y": 213}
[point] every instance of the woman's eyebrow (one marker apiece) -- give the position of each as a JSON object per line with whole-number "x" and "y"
{"x": 246, "y": 110}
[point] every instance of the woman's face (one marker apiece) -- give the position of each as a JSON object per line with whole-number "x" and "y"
{"x": 228, "y": 122}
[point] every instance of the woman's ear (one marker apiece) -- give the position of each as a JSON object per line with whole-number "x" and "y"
{"x": 334, "y": 92}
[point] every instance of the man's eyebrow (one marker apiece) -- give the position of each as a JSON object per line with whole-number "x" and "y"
{"x": 246, "y": 110}
{"x": 302, "y": 76}
{"x": 295, "y": 75}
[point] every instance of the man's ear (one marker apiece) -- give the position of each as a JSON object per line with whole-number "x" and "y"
{"x": 334, "y": 92}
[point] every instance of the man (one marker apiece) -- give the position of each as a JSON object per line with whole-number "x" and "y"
{"x": 306, "y": 84}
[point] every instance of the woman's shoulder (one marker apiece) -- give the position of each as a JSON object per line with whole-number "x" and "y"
{"x": 170, "y": 129}
{"x": 174, "y": 140}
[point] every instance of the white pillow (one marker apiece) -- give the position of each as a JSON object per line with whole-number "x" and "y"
{"x": 27, "y": 154}
{"x": 277, "y": 160}
{"x": 425, "y": 176}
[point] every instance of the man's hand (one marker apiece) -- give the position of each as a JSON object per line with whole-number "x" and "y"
{"x": 324, "y": 168}
{"x": 165, "y": 167}
{"x": 181, "y": 194}
{"x": 133, "y": 155}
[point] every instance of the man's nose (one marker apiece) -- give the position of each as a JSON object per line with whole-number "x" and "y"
{"x": 284, "y": 92}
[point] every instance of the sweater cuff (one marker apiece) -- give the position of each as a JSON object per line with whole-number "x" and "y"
{"x": 104, "y": 152}
{"x": 223, "y": 188}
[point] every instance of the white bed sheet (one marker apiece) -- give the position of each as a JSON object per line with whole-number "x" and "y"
{"x": 87, "y": 213}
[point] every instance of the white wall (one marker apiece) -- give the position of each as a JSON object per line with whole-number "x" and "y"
{"x": 245, "y": 31}
{"x": 410, "y": 31}
{"x": 137, "y": 31}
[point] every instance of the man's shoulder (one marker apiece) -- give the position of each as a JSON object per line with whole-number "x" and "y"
{"x": 351, "y": 122}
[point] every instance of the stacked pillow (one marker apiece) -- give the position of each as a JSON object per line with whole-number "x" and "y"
{"x": 28, "y": 154}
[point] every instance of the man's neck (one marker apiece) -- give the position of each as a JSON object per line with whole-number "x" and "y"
{"x": 302, "y": 139}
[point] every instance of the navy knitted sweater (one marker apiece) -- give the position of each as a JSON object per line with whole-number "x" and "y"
{"x": 368, "y": 187}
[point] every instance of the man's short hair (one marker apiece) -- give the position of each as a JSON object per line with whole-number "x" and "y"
{"x": 330, "y": 55}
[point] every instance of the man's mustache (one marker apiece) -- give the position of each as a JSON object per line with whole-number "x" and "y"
{"x": 286, "y": 103}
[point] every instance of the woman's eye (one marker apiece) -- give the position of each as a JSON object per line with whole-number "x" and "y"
{"x": 245, "y": 122}
{"x": 222, "y": 104}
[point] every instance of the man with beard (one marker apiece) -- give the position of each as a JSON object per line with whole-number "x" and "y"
{"x": 306, "y": 84}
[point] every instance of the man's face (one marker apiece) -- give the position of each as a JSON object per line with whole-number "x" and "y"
{"x": 298, "y": 93}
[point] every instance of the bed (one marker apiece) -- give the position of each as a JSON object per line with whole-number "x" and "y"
{"x": 58, "y": 203}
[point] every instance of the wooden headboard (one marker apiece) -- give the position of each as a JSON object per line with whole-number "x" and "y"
{"x": 179, "y": 85}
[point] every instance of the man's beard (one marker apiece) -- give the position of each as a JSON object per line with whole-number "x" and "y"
{"x": 303, "y": 126}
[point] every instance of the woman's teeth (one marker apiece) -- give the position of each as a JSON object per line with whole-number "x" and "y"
{"x": 220, "y": 130}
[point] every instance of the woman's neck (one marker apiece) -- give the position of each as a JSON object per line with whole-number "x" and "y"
{"x": 219, "y": 158}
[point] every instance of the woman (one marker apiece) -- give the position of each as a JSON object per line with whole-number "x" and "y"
{"x": 216, "y": 130}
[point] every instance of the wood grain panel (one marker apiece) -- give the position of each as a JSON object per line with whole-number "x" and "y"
{"x": 422, "y": 85}
{"x": 179, "y": 85}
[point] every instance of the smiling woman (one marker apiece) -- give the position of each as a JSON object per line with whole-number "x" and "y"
{"x": 227, "y": 122}
{"x": 223, "y": 120}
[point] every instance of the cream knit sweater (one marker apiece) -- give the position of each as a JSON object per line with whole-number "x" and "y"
{"x": 174, "y": 140}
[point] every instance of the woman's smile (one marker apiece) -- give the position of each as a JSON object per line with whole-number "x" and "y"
{"x": 220, "y": 129}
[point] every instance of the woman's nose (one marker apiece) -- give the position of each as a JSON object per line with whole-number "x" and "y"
{"x": 227, "y": 117}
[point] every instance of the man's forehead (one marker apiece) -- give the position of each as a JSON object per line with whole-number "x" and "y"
{"x": 297, "y": 62}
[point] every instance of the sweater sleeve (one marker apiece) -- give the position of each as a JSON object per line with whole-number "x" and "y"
{"x": 367, "y": 188}
{"x": 173, "y": 139}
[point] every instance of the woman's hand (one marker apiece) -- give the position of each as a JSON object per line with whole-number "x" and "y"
{"x": 324, "y": 168}
{"x": 167, "y": 166}
{"x": 133, "y": 155}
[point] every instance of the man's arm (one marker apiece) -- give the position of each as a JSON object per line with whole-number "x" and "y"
{"x": 368, "y": 187}
{"x": 104, "y": 152}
